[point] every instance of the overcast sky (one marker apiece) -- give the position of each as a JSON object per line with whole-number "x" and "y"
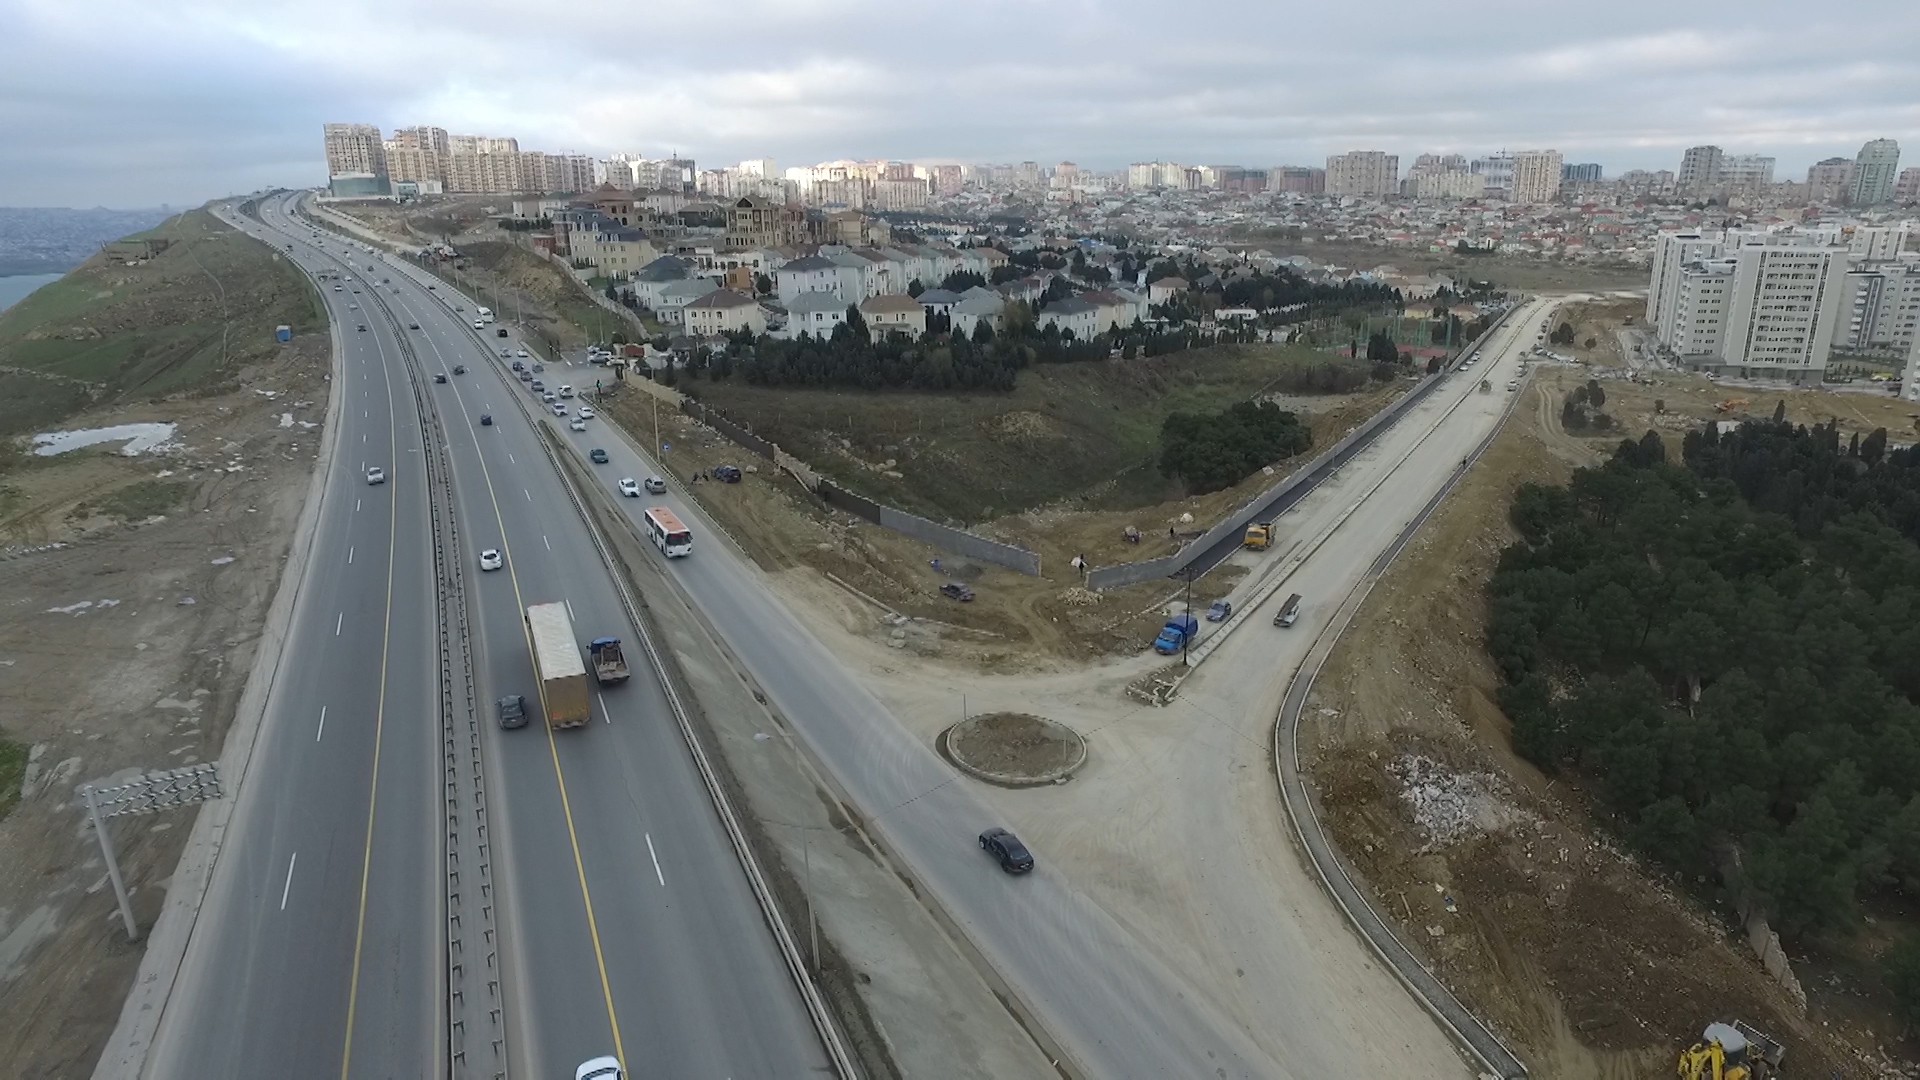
{"x": 126, "y": 103}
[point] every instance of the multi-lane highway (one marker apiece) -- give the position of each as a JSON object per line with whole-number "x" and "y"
{"x": 626, "y": 923}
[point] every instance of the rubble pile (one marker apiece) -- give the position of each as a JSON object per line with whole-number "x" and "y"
{"x": 1449, "y": 806}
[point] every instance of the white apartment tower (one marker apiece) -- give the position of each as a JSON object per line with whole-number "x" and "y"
{"x": 1783, "y": 310}
{"x": 1536, "y": 176}
{"x": 1366, "y": 173}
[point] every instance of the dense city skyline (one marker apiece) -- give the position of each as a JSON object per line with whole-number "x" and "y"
{"x": 220, "y": 97}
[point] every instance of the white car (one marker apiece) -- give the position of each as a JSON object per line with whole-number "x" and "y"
{"x": 490, "y": 559}
{"x": 559, "y": 409}
{"x": 600, "y": 1068}
{"x": 629, "y": 488}
{"x": 566, "y": 391}
{"x": 578, "y": 424}
{"x": 521, "y": 353}
{"x": 586, "y": 413}
{"x": 376, "y": 475}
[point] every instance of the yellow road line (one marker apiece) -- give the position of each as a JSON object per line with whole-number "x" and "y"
{"x": 553, "y": 748}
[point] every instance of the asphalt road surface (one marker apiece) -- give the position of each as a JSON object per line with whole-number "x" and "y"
{"x": 627, "y": 925}
{"x": 317, "y": 940}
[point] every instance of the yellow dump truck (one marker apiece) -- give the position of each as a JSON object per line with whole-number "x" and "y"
{"x": 1259, "y": 535}
{"x": 556, "y": 660}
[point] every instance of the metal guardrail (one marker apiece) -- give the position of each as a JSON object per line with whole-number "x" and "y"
{"x": 476, "y": 1026}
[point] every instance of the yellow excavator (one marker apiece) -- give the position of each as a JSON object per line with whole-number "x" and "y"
{"x": 1732, "y": 1052}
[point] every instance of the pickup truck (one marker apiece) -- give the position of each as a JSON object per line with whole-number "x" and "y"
{"x": 1176, "y": 634}
{"x": 609, "y": 662}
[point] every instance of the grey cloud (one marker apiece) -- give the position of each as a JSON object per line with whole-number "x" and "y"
{"x": 123, "y": 103}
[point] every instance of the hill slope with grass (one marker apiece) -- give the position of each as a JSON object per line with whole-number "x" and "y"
{"x": 183, "y": 321}
{"x": 1065, "y": 430}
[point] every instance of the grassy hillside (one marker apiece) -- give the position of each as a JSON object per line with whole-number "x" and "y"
{"x": 1082, "y": 429}
{"x": 183, "y": 321}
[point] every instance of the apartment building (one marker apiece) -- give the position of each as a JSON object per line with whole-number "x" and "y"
{"x": 1366, "y": 173}
{"x": 898, "y": 194}
{"x": 1876, "y": 243}
{"x": 894, "y": 313}
{"x": 761, "y": 223}
{"x": 1754, "y": 303}
{"x": 1745, "y": 172}
{"x": 1874, "y": 170}
{"x": 1830, "y": 180}
{"x": 1782, "y": 311}
{"x": 1536, "y": 176}
{"x": 1699, "y": 168}
{"x": 356, "y": 160}
{"x": 1588, "y": 172}
{"x": 1297, "y": 179}
{"x": 1881, "y": 309}
{"x": 1906, "y": 189}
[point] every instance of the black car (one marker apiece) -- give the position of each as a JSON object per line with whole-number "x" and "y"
{"x": 518, "y": 366}
{"x": 413, "y": 326}
{"x": 956, "y": 591}
{"x": 486, "y": 419}
{"x": 597, "y": 456}
{"x": 439, "y": 376}
{"x": 539, "y": 366}
{"x": 459, "y": 369}
{"x": 501, "y": 332}
{"x": 727, "y": 474}
{"x": 526, "y": 376}
{"x": 1006, "y": 847}
{"x": 513, "y": 711}
{"x": 363, "y": 326}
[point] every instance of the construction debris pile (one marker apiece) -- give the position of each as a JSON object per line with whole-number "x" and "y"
{"x": 1450, "y": 806}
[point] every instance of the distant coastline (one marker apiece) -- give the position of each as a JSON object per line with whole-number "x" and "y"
{"x": 17, "y": 287}
{"x": 29, "y": 267}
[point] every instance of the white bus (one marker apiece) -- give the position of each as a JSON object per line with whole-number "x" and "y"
{"x": 485, "y": 314}
{"x": 669, "y": 535}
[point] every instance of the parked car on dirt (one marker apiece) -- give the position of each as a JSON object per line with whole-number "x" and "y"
{"x": 955, "y": 590}
{"x": 727, "y": 474}
{"x": 1219, "y": 611}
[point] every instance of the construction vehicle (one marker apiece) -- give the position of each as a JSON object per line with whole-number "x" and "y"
{"x": 556, "y": 660}
{"x": 609, "y": 662}
{"x": 1731, "y": 1052}
{"x": 1730, "y": 404}
{"x": 1259, "y": 535}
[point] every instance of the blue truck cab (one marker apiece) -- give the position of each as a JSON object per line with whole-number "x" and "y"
{"x": 1175, "y": 635}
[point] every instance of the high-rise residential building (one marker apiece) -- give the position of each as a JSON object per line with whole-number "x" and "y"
{"x": 1874, "y": 170}
{"x": 1881, "y": 308}
{"x": 1444, "y": 184}
{"x": 1753, "y": 303}
{"x": 1586, "y": 172}
{"x": 1366, "y": 173}
{"x": 1875, "y": 243}
{"x": 899, "y": 193}
{"x": 1497, "y": 171}
{"x": 1830, "y": 180}
{"x": 1744, "y": 172}
{"x": 1699, "y": 168}
{"x": 1906, "y": 189}
{"x": 355, "y": 150}
{"x": 481, "y": 144}
{"x": 1438, "y": 162}
{"x": 1297, "y": 179}
{"x": 1536, "y": 176}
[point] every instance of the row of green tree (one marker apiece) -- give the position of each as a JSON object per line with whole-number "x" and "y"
{"x": 1726, "y": 648}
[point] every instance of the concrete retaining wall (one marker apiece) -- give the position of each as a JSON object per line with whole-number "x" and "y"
{"x": 961, "y": 542}
{"x": 1289, "y": 490}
